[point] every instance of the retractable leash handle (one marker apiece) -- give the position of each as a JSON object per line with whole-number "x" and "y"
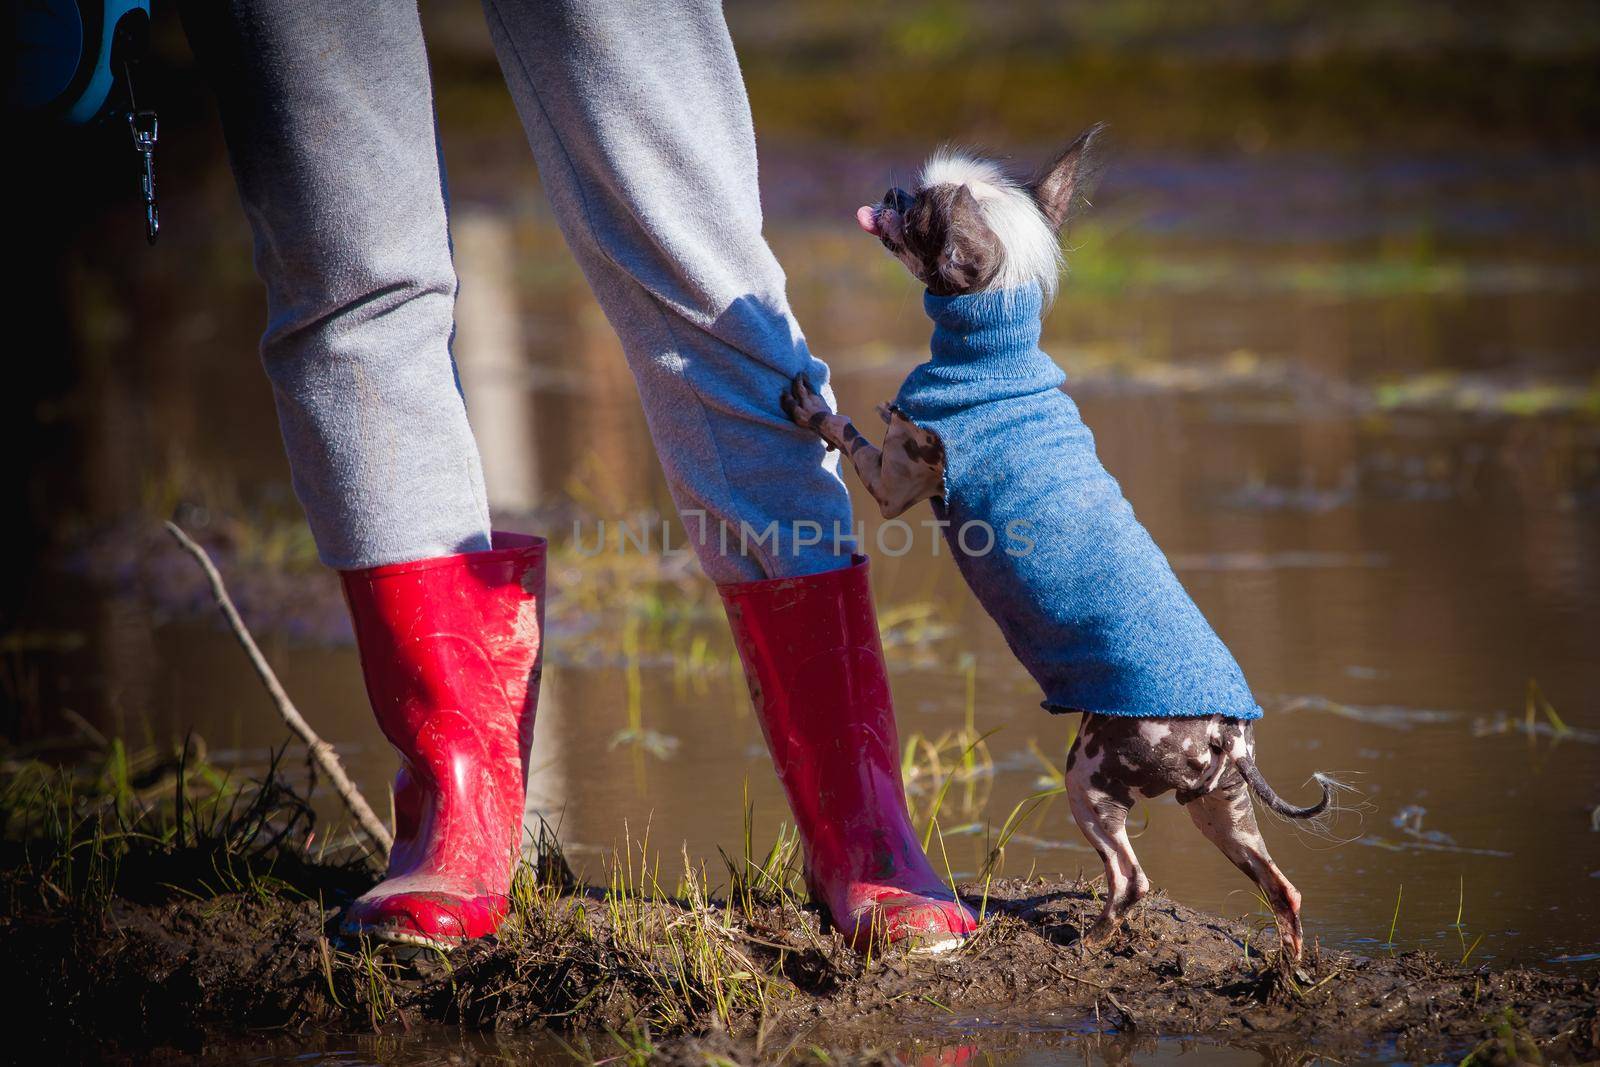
{"x": 70, "y": 55}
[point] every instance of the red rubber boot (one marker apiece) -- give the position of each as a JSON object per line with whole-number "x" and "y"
{"x": 450, "y": 651}
{"x": 815, "y": 667}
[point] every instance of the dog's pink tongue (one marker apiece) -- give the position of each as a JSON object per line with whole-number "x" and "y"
{"x": 867, "y": 219}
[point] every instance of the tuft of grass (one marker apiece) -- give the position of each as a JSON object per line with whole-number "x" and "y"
{"x": 1024, "y": 810}
{"x": 1260, "y": 922}
{"x": 540, "y": 882}
{"x": 376, "y": 969}
{"x": 932, "y": 766}
{"x": 1394, "y": 921}
{"x": 972, "y": 765}
{"x": 1537, "y": 701}
{"x": 1460, "y": 925}
{"x": 685, "y": 951}
{"x": 154, "y": 817}
{"x": 772, "y": 878}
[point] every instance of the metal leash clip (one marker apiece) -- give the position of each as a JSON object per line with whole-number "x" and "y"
{"x": 145, "y": 128}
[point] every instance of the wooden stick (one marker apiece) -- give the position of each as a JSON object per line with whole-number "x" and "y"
{"x": 1072, "y": 977}
{"x": 326, "y": 758}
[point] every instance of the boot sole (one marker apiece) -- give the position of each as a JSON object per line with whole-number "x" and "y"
{"x": 405, "y": 939}
{"x": 938, "y": 948}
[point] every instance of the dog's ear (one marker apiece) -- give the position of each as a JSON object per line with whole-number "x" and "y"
{"x": 1062, "y": 187}
{"x": 967, "y": 258}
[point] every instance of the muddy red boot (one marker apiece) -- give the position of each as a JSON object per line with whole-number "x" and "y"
{"x": 815, "y": 667}
{"x": 450, "y": 652}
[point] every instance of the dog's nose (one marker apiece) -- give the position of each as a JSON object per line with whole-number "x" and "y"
{"x": 898, "y": 199}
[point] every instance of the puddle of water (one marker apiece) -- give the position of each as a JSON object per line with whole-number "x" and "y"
{"x": 958, "y": 1040}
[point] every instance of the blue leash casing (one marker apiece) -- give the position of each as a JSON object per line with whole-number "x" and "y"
{"x": 69, "y": 54}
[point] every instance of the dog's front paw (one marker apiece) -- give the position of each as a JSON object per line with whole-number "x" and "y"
{"x": 803, "y": 406}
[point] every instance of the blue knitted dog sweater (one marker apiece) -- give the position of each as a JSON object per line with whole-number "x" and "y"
{"x": 1082, "y": 594}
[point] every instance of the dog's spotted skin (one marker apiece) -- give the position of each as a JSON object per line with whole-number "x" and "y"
{"x": 1117, "y": 759}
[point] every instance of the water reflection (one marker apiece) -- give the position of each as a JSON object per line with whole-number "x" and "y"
{"x": 944, "y": 1044}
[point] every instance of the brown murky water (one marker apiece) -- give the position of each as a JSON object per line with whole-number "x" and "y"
{"x": 961, "y": 1041}
{"x": 1356, "y": 401}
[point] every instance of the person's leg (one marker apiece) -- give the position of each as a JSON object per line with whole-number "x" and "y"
{"x": 327, "y": 110}
{"x": 811, "y": 652}
{"x": 638, "y": 120}
{"x": 328, "y": 114}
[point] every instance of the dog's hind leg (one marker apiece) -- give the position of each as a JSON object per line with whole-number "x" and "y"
{"x": 1228, "y": 820}
{"x": 1103, "y": 819}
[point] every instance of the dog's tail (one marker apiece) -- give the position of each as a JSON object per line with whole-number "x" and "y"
{"x": 1258, "y": 782}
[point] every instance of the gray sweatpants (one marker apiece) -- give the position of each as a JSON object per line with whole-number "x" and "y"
{"x": 638, "y": 121}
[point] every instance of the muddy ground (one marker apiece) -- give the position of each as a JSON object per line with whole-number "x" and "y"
{"x": 170, "y": 970}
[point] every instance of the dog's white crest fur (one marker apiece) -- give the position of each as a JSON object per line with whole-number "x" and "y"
{"x": 1032, "y": 250}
